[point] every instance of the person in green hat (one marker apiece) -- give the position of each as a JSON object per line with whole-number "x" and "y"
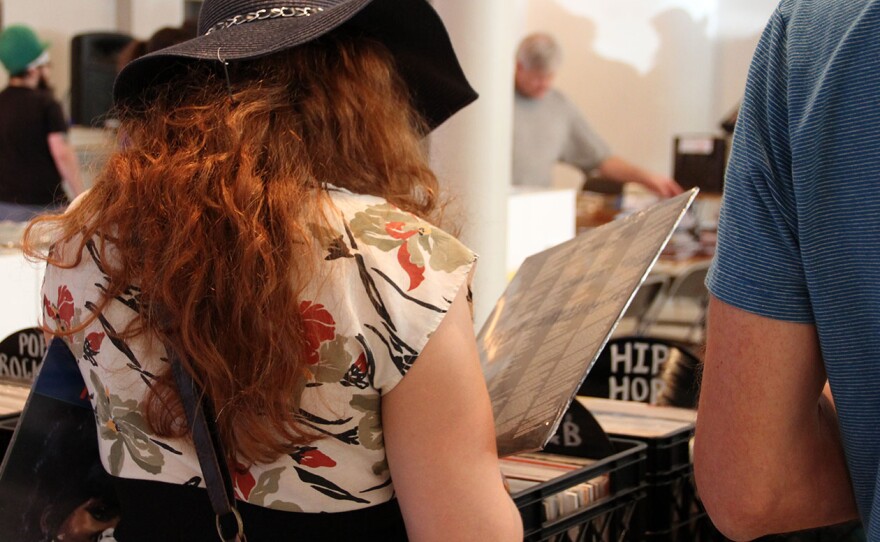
{"x": 35, "y": 158}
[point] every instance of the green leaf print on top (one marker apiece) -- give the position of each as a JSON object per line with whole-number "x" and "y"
{"x": 388, "y": 228}
{"x": 266, "y": 486}
{"x": 334, "y": 361}
{"x": 121, "y": 422}
{"x": 370, "y": 425}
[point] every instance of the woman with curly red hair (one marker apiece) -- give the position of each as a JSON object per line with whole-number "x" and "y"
{"x": 268, "y": 218}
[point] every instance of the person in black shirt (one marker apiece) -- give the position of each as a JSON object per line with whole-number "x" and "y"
{"x": 34, "y": 155}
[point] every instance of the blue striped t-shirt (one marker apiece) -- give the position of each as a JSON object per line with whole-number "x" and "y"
{"x": 799, "y": 233}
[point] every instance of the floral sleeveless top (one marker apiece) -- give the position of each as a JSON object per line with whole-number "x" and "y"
{"x": 390, "y": 279}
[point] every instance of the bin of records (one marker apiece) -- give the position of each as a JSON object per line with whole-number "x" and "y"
{"x": 667, "y": 453}
{"x": 7, "y": 428}
{"x": 13, "y": 395}
{"x": 672, "y": 510}
{"x": 573, "y": 498}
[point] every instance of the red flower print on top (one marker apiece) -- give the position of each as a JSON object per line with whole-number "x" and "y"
{"x": 397, "y": 230}
{"x": 92, "y": 346}
{"x": 94, "y": 341}
{"x": 63, "y": 310}
{"x": 320, "y": 327}
{"x": 309, "y": 456}
{"x": 360, "y": 364}
{"x": 417, "y": 244}
{"x": 416, "y": 272}
{"x": 243, "y": 481}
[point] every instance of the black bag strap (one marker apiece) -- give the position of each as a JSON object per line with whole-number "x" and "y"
{"x": 209, "y": 449}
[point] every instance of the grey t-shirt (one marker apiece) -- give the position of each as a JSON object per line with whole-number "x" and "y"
{"x": 548, "y": 130}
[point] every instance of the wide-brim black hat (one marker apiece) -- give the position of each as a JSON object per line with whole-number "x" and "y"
{"x": 236, "y": 30}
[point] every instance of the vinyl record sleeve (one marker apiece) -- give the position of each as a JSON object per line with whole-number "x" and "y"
{"x": 554, "y": 318}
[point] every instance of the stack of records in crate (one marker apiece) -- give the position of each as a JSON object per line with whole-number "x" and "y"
{"x": 527, "y": 470}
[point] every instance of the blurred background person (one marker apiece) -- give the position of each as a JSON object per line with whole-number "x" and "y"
{"x": 35, "y": 157}
{"x": 548, "y": 128}
{"x": 160, "y": 39}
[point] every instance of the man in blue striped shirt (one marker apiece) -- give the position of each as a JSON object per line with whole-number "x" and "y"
{"x": 796, "y": 284}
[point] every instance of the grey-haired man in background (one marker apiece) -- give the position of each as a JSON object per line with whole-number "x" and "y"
{"x": 548, "y": 128}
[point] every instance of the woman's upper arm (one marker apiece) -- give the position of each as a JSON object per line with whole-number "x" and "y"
{"x": 440, "y": 442}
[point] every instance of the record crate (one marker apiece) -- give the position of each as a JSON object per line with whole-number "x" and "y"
{"x": 612, "y": 518}
{"x": 672, "y": 510}
{"x": 7, "y": 428}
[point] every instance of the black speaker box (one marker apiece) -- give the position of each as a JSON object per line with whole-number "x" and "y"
{"x": 700, "y": 161}
{"x": 92, "y": 72}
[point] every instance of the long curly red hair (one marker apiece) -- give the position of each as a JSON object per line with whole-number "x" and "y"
{"x": 206, "y": 207}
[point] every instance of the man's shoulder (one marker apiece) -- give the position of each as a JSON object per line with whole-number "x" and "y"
{"x": 28, "y": 96}
{"x": 815, "y": 21}
{"x": 8, "y": 94}
{"x": 557, "y": 97}
{"x": 553, "y": 100}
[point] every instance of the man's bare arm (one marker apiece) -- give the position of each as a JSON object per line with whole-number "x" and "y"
{"x": 768, "y": 456}
{"x": 618, "y": 169}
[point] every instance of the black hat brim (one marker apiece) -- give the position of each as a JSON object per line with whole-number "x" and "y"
{"x": 411, "y": 30}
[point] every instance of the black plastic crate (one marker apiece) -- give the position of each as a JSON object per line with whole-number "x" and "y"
{"x": 7, "y": 428}
{"x": 672, "y": 511}
{"x": 668, "y": 454}
{"x": 611, "y": 519}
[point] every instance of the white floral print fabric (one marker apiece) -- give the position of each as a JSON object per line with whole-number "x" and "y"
{"x": 387, "y": 279}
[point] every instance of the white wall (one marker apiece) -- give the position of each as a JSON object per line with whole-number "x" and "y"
{"x": 141, "y": 18}
{"x": 645, "y": 70}
{"x": 740, "y": 23}
{"x": 58, "y": 21}
{"x": 471, "y": 152}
